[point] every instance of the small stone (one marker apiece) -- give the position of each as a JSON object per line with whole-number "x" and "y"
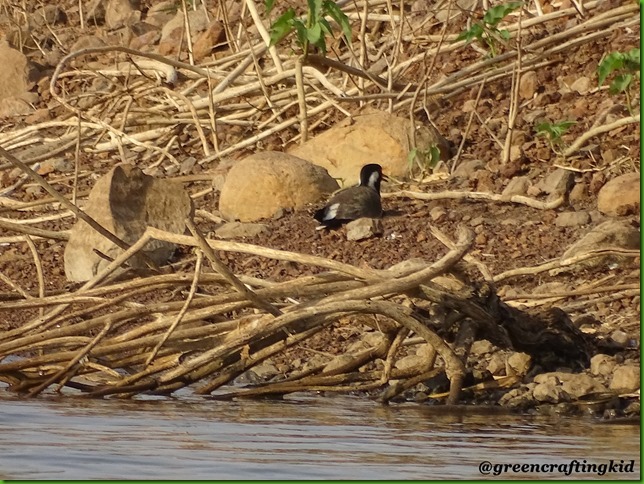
{"x": 579, "y": 385}
{"x": 626, "y": 379}
{"x": 466, "y": 168}
{"x": 481, "y": 347}
{"x": 496, "y": 366}
{"x": 572, "y": 219}
{"x": 410, "y": 361}
{"x": 528, "y": 85}
{"x": 548, "y": 392}
{"x": 364, "y": 228}
{"x": 557, "y": 183}
{"x": 620, "y": 196}
{"x": 579, "y": 193}
{"x": 518, "y": 185}
{"x": 620, "y": 337}
{"x": 337, "y": 363}
{"x": 187, "y": 165}
{"x": 207, "y": 40}
{"x": 601, "y": 364}
{"x": 437, "y": 214}
{"x": 581, "y": 85}
{"x": 518, "y": 364}
{"x": 610, "y": 234}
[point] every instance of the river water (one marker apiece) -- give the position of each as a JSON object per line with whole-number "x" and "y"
{"x": 301, "y": 438}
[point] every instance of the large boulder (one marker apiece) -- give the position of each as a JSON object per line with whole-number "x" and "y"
{"x": 620, "y": 196}
{"x": 262, "y": 184}
{"x": 377, "y": 137}
{"x": 125, "y": 201}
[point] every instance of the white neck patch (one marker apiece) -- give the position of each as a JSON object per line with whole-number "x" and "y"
{"x": 373, "y": 179}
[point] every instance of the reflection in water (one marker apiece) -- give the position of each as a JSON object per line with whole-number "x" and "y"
{"x": 303, "y": 438}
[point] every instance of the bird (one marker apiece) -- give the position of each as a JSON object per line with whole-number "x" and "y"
{"x": 362, "y": 200}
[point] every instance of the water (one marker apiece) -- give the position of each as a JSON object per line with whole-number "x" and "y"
{"x": 300, "y": 438}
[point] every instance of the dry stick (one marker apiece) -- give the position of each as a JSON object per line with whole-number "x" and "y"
{"x": 579, "y": 142}
{"x": 436, "y": 232}
{"x": 35, "y": 231}
{"x": 573, "y": 293}
{"x": 301, "y": 99}
{"x": 187, "y": 31}
{"x": 605, "y": 299}
{"x": 14, "y": 286}
{"x": 454, "y": 195}
{"x": 232, "y": 371}
{"x": 265, "y": 35}
{"x": 76, "y": 161}
{"x": 514, "y": 96}
{"x": 69, "y": 366}
{"x": 220, "y": 267}
{"x": 175, "y": 323}
{"x": 195, "y": 116}
{"x": 39, "y": 271}
{"x": 559, "y": 263}
{"x": 77, "y": 211}
{"x": 401, "y": 334}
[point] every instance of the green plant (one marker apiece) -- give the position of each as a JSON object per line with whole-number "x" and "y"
{"x": 553, "y": 132}
{"x": 314, "y": 30}
{"x": 626, "y": 65}
{"x": 426, "y": 159}
{"x": 486, "y": 31}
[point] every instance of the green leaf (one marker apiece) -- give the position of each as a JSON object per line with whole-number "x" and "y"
{"x": 314, "y": 33}
{"x": 495, "y": 14}
{"x": 269, "y": 5}
{"x": 504, "y": 34}
{"x": 620, "y": 83}
{"x": 474, "y": 32}
{"x": 282, "y": 26}
{"x": 315, "y": 11}
{"x": 325, "y": 26}
{"x": 632, "y": 60}
{"x": 340, "y": 17}
{"x": 301, "y": 32}
{"x": 612, "y": 62}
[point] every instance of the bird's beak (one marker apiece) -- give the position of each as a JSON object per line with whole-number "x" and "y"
{"x": 385, "y": 177}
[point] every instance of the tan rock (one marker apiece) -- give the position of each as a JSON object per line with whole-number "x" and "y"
{"x": 376, "y": 137}
{"x": 364, "y": 228}
{"x": 528, "y": 85}
{"x": 120, "y": 13}
{"x": 626, "y": 378}
{"x": 260, "y": 185}
{"x": 125, "y": 201}
{"x": 620, "y": 196}
{"x": 17, "y": 76}
{"x": 213, "y": 35}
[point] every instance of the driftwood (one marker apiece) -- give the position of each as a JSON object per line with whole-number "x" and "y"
{"x": 211, "y": 340}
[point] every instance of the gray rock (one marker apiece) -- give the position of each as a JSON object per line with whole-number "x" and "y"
{"x": 518, "y": 185}
{"x": 557, "y": 183}
{"x": 364, "y": 228}
{"x": 337, "y": 363}
{"x": 410, "y": 361}
{"x": 465, "y": 169}
{"x": 601, "y": 364}
{"x": 620, "y": 196}
{"x": 609, "y": 234}
{"x": 572, "y": 219}
{"x": 236, "y": 230}
{"x": 626, "y": 378}
{"x": 126, "y": 201}
{"x": 259, "y": 185}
